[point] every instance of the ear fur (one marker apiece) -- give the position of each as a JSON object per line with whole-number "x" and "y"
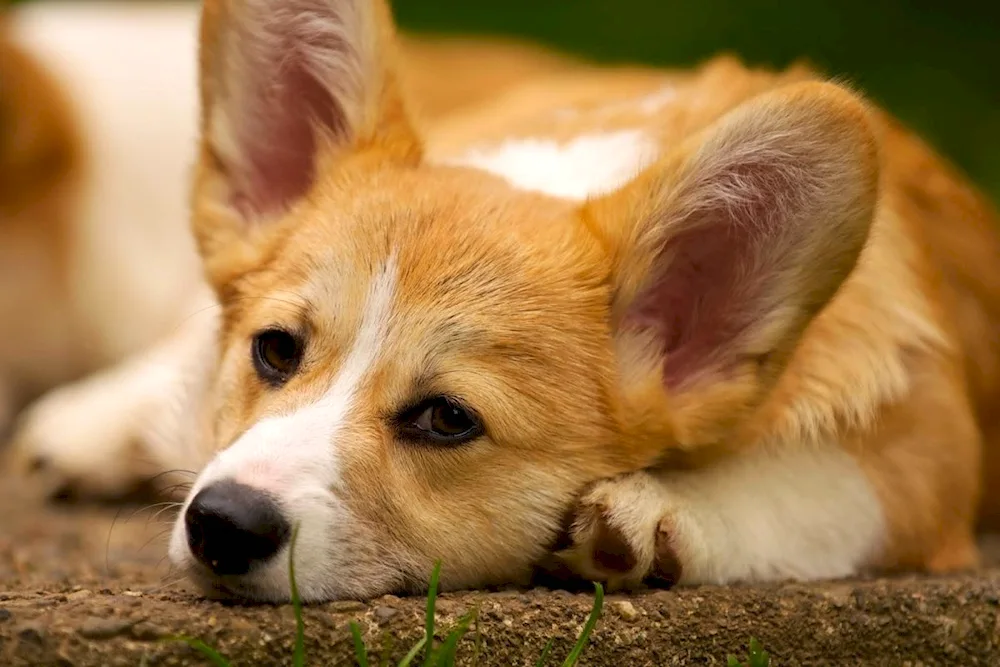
{"x": 289, "y": 88}
{"x": 726, "y": 249}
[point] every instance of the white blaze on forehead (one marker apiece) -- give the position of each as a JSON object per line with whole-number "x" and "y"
{"x": 299, "y": 450}
{"x": 586, "y": 166}
{"x": 296, "y": 458}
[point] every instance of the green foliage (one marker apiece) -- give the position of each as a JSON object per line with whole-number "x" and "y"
{"x": 299, "y": 652}
{"x": 757, "y": 657}
{"x": 213, "y": 656}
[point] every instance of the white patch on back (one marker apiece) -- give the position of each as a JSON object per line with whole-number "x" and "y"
{"x": 586, "y": 166}
{"x": 658, "y": 100}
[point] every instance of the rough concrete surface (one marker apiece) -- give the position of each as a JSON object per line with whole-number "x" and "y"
{"x": 77, "y": 590}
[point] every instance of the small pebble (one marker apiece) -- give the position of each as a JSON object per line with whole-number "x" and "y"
{"x": 384, "y": 614}
{"x": 626, "y": 609}
{"x": 346, "y": 605}
{"x": 148, "y": 632}
{"x": 32, "y": 635}
{"x": 79, "y": 594}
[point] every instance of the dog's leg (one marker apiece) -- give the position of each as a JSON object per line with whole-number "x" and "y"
{"x": 108, "y": 433}
{"x": 806, "y": 514}
{"x": 906, "y": 497}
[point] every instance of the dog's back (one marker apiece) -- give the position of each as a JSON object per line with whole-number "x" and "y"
{"x": 957, "y": 229}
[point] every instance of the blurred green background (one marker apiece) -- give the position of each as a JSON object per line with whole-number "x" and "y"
{"x": 934, "y": 63}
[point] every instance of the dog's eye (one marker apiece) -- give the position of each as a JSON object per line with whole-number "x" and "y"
{"x": 441, "y": 420}
{"x": 276, "y": 355}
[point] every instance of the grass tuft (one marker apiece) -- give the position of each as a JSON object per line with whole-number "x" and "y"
{"x": 210, "y": 653}
{"x": 429, "y": 621}
{"x": 757, "y": 657}
{"x": 448, "y": 654}
{"x": 360, "y": 652}
{"x": 445, "y": 655}
{"x": 299, "y": 652}
{"x": 588, "y": 627}
{"x": 545, "y": 654}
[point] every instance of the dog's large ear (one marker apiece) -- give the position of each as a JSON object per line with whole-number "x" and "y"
{"x": 725, "y": 250}
{"x": 287, "y": 86}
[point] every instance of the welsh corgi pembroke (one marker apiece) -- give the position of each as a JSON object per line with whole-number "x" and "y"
{"x": 634, "y": 326}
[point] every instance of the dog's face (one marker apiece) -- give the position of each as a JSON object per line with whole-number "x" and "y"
{"x": 420, "y": 362}
{"x": 419, "y": 381}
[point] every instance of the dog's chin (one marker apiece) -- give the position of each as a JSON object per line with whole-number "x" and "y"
{"x": 243, "y": 589}
{"x": 270, "y": 584}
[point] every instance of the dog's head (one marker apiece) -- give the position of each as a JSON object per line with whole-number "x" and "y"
{"x": 421, "y": 362}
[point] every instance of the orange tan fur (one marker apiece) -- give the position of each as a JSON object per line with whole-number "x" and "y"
{"x": 40, "y": 154}
{"x": 753, "y": 337}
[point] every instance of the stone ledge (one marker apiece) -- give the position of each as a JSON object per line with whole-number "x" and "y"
{"x": 939, "y": 621}
{"x": 78, "y": 587}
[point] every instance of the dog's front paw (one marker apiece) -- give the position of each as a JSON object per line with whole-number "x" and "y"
{"x": 84, "y": 440}
{"x": 621, "y": 532}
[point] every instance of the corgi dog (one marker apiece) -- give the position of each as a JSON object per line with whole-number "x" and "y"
{"x": 626, "y": 325}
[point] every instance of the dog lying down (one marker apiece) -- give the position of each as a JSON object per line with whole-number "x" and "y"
{"x": 628, "y": 325}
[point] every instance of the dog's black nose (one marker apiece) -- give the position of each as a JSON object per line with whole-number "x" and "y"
{"x": 231, "y": 527}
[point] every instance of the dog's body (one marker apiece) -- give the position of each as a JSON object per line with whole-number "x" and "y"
{"x": 703, "y": 327}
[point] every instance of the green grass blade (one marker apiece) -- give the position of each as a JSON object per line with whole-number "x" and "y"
{"x": 360, "y": 652}
{"x": 595, "y": 615}
{"x": 299, "y": 652}
{"x": 733, "y": 661}
{"x": 479, "y": 644}
{"x": 447, "y": 655}
{"x": 408, "y": 658}
{"x": 544, "y": 658}
{"x": 758, "y": 656}
{"x": 213, "y": 656}
{"x": 388, "y": 643}
{"x": 431, "y": 600}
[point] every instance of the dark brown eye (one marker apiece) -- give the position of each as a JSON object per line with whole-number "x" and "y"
{"x": 441, "y": 420}
{"x": 276, "y": 355}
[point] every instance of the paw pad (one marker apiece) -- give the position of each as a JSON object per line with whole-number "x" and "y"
{"x": 611, "y": 550}
{"x": 667, "y": 569}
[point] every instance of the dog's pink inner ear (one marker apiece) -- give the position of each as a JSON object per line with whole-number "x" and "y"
{"x": 289, "y": 73}
{"x": 279, "y": 148}
{"x": 697, "y": 305}
{"x": 741, "y": 261}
